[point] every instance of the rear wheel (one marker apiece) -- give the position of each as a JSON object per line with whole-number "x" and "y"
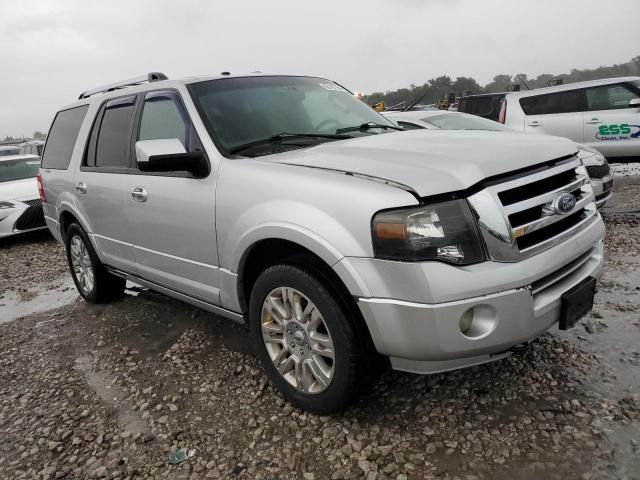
{"x": 306, "y": 340}
{"x": 94, "y": 283}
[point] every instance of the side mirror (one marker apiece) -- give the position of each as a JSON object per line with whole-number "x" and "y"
{"x": 634, "y": 103}
{"x": 169, "y": 155}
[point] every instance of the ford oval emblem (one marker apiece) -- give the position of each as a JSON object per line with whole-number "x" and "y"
{"x": 564, "y": 203}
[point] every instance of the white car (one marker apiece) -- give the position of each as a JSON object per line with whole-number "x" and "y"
{"x": 601, "y": 114}
{"x": 20, "y": 207}
{"x": 599, "y": 171}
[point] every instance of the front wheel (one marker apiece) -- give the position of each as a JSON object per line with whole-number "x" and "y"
{"x": 94, "y": 283}
{"x": 306, "y": 340}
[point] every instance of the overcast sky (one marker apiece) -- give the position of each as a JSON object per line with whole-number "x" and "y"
{"x": 50, "y": 51}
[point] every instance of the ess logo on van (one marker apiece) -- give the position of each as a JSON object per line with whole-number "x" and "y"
{"x": 622, "y": 131}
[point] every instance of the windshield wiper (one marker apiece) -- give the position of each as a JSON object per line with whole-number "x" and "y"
{"x": 286, "y": 136}
{"x": 367, "y": 126}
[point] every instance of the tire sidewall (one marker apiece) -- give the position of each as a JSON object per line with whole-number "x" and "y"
{"x": 339, "y": 391}
{"x": 75, "y": 230}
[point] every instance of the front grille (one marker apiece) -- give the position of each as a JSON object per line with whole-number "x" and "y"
{"x": 598, "y": 172}
{"x": 526, "y": 205}
{"x": 32, "y": 216}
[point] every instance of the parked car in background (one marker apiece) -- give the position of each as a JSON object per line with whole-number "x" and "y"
{"x": 285, "y": 203}
{"x": 599, "y": 172}
{"x": 601, "y": 114}
{"x": 443, "y": 120}
{"x": 486, "y": 105}
{"x": 597, "y": 166}
{"x": 20, "y": 207}
{"x": 7, "y": 150}
{"x": 32, "y": 147}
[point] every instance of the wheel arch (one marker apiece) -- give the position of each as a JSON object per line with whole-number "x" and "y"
{"x": 273, "y": 251}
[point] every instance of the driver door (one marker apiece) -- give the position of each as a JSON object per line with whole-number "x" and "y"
{"x": 172, "y": 214}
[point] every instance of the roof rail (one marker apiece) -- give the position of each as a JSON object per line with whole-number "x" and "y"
{"x": 148, "y": 78}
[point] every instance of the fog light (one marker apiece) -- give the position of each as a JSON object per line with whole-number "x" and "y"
{"x": 478, "y": 321}
{"x": 465, "y": 321}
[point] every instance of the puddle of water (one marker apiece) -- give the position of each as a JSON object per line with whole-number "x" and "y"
{"x": 104, "y": 386}
{"x": 45, "y": 297}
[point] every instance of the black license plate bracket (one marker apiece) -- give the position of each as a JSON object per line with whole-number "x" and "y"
{"x": 577, "y": 302}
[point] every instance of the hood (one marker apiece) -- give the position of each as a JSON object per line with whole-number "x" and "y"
{"x": 25, "y": 189}
{"x": 431, "y": 162}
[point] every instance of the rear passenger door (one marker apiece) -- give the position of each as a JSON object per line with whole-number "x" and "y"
{"x": 100, "y": 185}
{"x": 610, "y": 125}
{"x": 174, "y": 221}
{"x": 557, "y": 114}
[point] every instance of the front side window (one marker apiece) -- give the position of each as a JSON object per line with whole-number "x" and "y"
{"x": 461, "y": 121}
{"x": 62, "y": 138}
{"x": 552, "y": 103}
{"x": 238, "y": 111}
{"x": 162, "y": 119}
{"x": 18, "y": 169}
{"x": 114, "y": 136}
{"x": 609, "y": 97}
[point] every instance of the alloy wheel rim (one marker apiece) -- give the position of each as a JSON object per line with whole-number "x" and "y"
{"x": 298, "y": 340}
{"x": 81, "y": 263}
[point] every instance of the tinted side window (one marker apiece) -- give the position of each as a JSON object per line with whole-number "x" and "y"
{"x": 114, "y": 138}
{"x": 62, "y": 138}
{"x": 409, "y": 126}
{"x": 162, "y": 118}
{"x": 479, "y": 106}
{"x": 561, "y": 102}
{"x": 609, "y": 97}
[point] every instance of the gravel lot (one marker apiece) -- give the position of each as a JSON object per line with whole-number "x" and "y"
{"x": 111, "y": 391}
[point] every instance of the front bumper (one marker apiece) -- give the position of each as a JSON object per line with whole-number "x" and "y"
{"x": 512, "y": 304}
{"x": 602, "y": 189}
{"x": 25, "y": 216}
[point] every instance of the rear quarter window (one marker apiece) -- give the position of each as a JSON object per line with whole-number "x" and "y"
{"x": 62, "y": 137}
{"x": 552, "y": 103}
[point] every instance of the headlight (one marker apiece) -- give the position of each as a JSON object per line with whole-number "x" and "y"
{"x": 590, "y": 156}
{"x": 5, "y": 205}
{"x": 441, "y": 231}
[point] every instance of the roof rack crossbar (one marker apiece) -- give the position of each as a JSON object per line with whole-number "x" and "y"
{"x": 148, "y": 78}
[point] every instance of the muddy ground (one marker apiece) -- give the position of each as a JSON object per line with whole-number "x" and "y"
{"x": 111, "y": 391}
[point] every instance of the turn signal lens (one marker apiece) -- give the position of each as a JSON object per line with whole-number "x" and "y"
{"x": 390, "y": 230}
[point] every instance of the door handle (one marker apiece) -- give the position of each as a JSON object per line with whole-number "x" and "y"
{"x": 535, "y": 123}
{"x": 594, "y": 121}
{"x": 139, "y": 194}
{"x": 81, "y": 187}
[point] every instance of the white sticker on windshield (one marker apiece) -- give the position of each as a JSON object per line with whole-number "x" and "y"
{"x": 332, "y": 86}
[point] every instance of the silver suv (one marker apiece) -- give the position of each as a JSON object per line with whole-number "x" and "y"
{"x": 285, "y": 203}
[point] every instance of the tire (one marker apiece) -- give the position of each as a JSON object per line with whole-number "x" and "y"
{"x": 300, "y": 344}
{"x": 94, "y": 283}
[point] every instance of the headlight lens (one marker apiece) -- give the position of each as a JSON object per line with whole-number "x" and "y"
{"x": 443, "y": 231}
{"x": 5, "y": 205}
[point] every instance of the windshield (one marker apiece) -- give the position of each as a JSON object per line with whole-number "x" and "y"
{"x": 461, "y": 121}
{"x": 19, "y": 169}
{"x": 5, "y": 152}
{"x": 238, "y": 111}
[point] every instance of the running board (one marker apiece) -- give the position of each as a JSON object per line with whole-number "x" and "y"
{"x": 209, "y": 307}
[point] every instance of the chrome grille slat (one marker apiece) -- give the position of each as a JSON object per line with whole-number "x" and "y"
{"x": 549, "y": 219}
{"x": 546, "y": 198}
{"x": 590, "y": 216}
{"x": 549, "y": 172}
{"x": 528, "y": 201}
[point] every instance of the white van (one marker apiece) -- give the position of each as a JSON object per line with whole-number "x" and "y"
{"x": 602, "y": 114}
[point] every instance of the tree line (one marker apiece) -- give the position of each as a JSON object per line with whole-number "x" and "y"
{"x": 438, "y": 88}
